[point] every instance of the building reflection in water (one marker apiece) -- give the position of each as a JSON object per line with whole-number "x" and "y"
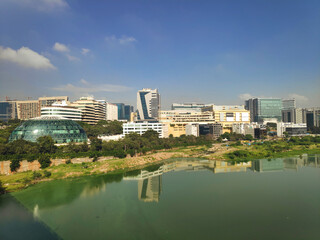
{"x": 150, "y": 182}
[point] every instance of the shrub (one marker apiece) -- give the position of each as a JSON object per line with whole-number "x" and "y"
{"x": 2, "y": 189}
{"x": 44, "y": 160}
{"x": 46, "y": 173}
{"x": 120, "y": 154}
{"x": 15, "y": 164}
{"x": 36, "y": 175}
{"x": 68, "y": 161}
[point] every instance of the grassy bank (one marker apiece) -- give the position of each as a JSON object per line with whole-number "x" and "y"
{"x": 22, "y": 180}
{"x": 271, "y": 150}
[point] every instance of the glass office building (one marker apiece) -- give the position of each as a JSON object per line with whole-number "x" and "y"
{"x": 262, "y": 109}
{"x": 61, "y": 130}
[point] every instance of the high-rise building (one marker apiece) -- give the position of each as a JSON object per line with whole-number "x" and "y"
{"x": 8, "y": 110}
{"x": 104, "y": 104}
{"x": 288, "y": 110}
{"x": 127, "y": 112}
{"x": 264, "y": 109}
{"x": 121, "y": 111}
{"x": 313, "y": 117}
{"x": 148, "y": 104}
{"x": 288, "y": 104}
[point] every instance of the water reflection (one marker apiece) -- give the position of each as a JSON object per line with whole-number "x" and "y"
{"x": 150, "y": 181}
{"x": 146, "y": 203}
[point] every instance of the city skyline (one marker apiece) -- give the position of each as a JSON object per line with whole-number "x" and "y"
{"x": 205, "y": 52}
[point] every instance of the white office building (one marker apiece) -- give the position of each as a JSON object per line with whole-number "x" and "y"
{"x": 62, "y": 111}
{"x": 142, "y": 127}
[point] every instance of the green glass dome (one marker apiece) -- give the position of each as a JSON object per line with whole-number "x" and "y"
{"x": 60, "y": 129}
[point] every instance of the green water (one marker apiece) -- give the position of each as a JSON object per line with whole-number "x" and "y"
{"x": 181, "y": 199}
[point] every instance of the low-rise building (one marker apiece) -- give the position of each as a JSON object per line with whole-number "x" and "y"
{"x": 292, "y": 129}
{"x": 142, "y": 127}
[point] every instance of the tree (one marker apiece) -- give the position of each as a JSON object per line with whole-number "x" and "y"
{"x": 14, "y": 165}
{"x": 46, "y": 144}
{"x": 2, "y": 189}
{"x": 44, "y": 160}
{"x": 96, "y": 144}
{"x": 248, "y": 137}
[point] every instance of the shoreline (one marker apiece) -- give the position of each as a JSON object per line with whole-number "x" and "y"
{"x": 218, "y": 152}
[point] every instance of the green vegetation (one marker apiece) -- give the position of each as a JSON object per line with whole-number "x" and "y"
{"x": 269, "y": 149}
{"x": 102, "y": 128}
{"x": 2, "y": 189}
{"x": 44, "y": 149}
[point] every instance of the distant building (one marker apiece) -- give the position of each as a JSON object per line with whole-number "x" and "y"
{"x": 189, "y": 106}
{"x": 148, "y": 104}
{"x": 229, "y": 114}
{"x": 48, "y": 101}
{"x": 215, "y": 130}
{"x": 104, "y": 104}
{"x": 264, "y": 109}
{"x": 62, "y": 111}
{"x": 142, "y": 127}
{"x": 28, "y": 109}
{"x": 313, "y": 117}
{"x": 127, "y": 112}
{"x": 293, "y": 129}
{"x": 111, "y": 111}
{"x": 8, "y": 110}
{"x": 288, "y": 104}
{"x": 121, "y": 111}
{"x": 92, "y": 110}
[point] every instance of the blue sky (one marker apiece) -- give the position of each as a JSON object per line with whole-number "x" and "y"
{"x": 219, "y": 52}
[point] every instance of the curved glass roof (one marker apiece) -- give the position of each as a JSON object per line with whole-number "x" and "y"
{"x": 61, "y": 130}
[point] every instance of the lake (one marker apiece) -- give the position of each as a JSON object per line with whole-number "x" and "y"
{"x": 184, "y": 198}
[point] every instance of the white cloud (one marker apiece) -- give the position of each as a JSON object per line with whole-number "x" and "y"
{"x": 87, "y": 88}
{"x": 83, "y": 81}
{"x": 42, "y": 5}
{"x": 298, "y": 97}
{"x": 72, "y": 58}
{"x": 245, "y": 96}
{"x": 124, "y": 40}
{"x": 60, "y": 47}
{"x": 85, "y": 51}
{"x": 25, "y": 57}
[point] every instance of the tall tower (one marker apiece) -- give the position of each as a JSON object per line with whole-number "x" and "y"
{"x": 148, "y": 104}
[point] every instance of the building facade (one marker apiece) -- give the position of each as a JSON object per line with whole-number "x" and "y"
{"x": 148, "y": 104}
{"x": 111, "y": 112}
{"x": 229, "y": 114}
{"x": 92, "y": 110}
{"x": 189, "y": 106}
{"x": 142, "y": 127}
{"x": 62, "y": 111}
{"x": 8, "y": 110}
{"x": 264, "y": 109}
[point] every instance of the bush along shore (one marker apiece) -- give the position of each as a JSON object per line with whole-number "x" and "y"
{"x": 272, "y": 149}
